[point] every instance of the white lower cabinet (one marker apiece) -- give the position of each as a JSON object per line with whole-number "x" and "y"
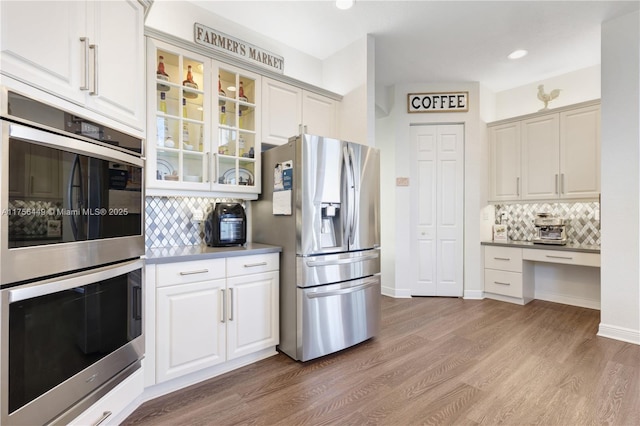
{"x": 503, "y": 275}
{"x": 212, "y": 311}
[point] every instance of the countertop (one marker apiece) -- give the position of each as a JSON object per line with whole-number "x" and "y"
{"x": 201, "y": 252}
{"x": 585, "y": 248}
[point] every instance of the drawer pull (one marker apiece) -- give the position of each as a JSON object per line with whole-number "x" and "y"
{"x": 560, "y": 257}
{"x": 201, "y": 271}
{"x": 253, "y": 265}
{"x": 105, "y": 416}
{"x": 502, "y": 258}
{"x": 501, "y": 283}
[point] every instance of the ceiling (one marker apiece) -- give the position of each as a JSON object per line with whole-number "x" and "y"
{"x": 440, "y": 41}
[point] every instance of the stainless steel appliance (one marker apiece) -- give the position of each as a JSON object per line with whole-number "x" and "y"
{"x": 71, "y": 192}
{"x": 71, "y": 241}
{"x": 226, "y": 225}
{"x": 549, "y": 229}
{"x": 67, "y": 341}
{"x": 320, "y": 202}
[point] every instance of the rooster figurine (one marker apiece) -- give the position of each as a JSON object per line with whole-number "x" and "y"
{"x": 546, "y": 98}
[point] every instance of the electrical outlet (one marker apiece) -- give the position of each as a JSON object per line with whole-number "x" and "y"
{"x": 198, "y": 215}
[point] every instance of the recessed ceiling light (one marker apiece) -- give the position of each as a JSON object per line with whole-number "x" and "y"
{"x": 231, "y": 88}
{"x": 344, "y": 4}
{"x": 517, "y": 54}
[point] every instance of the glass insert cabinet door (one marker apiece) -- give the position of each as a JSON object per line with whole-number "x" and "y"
{"x": 237, "y": 118}
{"x": 180, "y": 86}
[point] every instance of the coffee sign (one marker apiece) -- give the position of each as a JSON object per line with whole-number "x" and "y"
{"x": 222, "y": 42}
{"x": 438, "y": 102}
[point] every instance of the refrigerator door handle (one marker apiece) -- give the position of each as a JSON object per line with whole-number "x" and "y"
{"x": 342, "y": 261}
{"x": 351, "y": 201}
{"x": 341, "y": 291}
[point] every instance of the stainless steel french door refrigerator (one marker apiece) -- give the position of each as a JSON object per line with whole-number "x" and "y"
{"x": 320, "y": 203}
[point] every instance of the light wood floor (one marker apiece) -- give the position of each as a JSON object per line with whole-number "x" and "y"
{"x": 436, "y": 361}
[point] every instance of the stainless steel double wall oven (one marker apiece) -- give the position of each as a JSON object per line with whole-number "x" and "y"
{"x": 71, "y": 241}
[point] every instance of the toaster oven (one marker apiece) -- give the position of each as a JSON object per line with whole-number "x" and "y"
{"x": 226, "y": 225}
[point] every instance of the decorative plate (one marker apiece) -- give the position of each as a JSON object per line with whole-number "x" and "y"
{"x": 245, "y": 177}
{"x": 164, "y": 169}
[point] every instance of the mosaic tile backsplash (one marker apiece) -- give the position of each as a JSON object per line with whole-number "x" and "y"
{"x": 582, "y": 226}
{"x": 169, "y": 220}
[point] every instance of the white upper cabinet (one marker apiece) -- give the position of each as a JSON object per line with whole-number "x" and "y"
{"x": 540, "y": 138}
{"x": 319, "y": 115}
{"x": 282, "y": 113}
{"x": 580, "y": 153}
{"x": 203, "y": 135}
{"x": 504, "y": 144}
{"x": 89, "y": 53}
{"x": 550, "y": 156}
{"x": 289, "y": 111}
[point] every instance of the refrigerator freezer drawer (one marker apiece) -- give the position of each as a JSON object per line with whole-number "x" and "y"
{"x": 334, "y": 317}
{"x": 333, "y": 268}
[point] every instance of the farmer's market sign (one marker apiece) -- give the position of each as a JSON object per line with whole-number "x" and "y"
{"x": 222, "y": 42}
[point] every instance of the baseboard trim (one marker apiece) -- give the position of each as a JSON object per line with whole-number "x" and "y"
{"x": 473, "y": 294}
{"x": 568, "y": 300}
{"x": 619, "y": 333}
{"x": 396, "y": 293}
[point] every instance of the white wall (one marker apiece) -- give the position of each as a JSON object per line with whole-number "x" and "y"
{"x": 578, "y": 86}
{"x": 177, "y": 18}
{"x": 392, "y": 138}
{"x": 345, "y": 73}
{"x": 620, "y": 256}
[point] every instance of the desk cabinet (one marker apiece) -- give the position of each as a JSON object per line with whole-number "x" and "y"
{"x": 503, "y": 275}
{"x": 521, "y": 274}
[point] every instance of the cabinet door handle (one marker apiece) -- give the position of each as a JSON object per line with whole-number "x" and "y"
{"x": 501, "y": 283}
{"x": 230, "y": 304}
{"x": 502, "y": 258}
{"x": 556, "y": 184}
{"x": 253, "y": 265}
{"x": 201, "y": 271}
{"x": 207, "y": 174}
{"x": 105, "y": 416}
{"x": 560, "y": 257}
{"x": 518, "y": 186}
{"x": 223, "y": 308}
{"x": 85, "y": 43}
{"x": 94, "y": 47}
{"x": 562, "y": 183}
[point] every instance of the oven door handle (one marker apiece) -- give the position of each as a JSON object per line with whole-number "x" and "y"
{"x": 54, "y": 285}
{"x": 77, "y": 146}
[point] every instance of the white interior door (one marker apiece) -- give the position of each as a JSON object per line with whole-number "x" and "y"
{"x": 438, "y": 213}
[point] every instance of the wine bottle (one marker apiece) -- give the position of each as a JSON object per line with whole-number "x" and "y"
{"x": 184, "y": 107}
{"x": 220, "y": 91}
{"x": 241, "y": 95}
{"x": 160, "y": 71}
{"x": 189, "y": 80}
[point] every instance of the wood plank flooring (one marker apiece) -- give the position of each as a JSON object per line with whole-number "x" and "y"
{"x": 436, "y": 361}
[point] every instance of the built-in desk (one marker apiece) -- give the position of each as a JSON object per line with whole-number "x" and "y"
{"x": 520, "y": 271}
